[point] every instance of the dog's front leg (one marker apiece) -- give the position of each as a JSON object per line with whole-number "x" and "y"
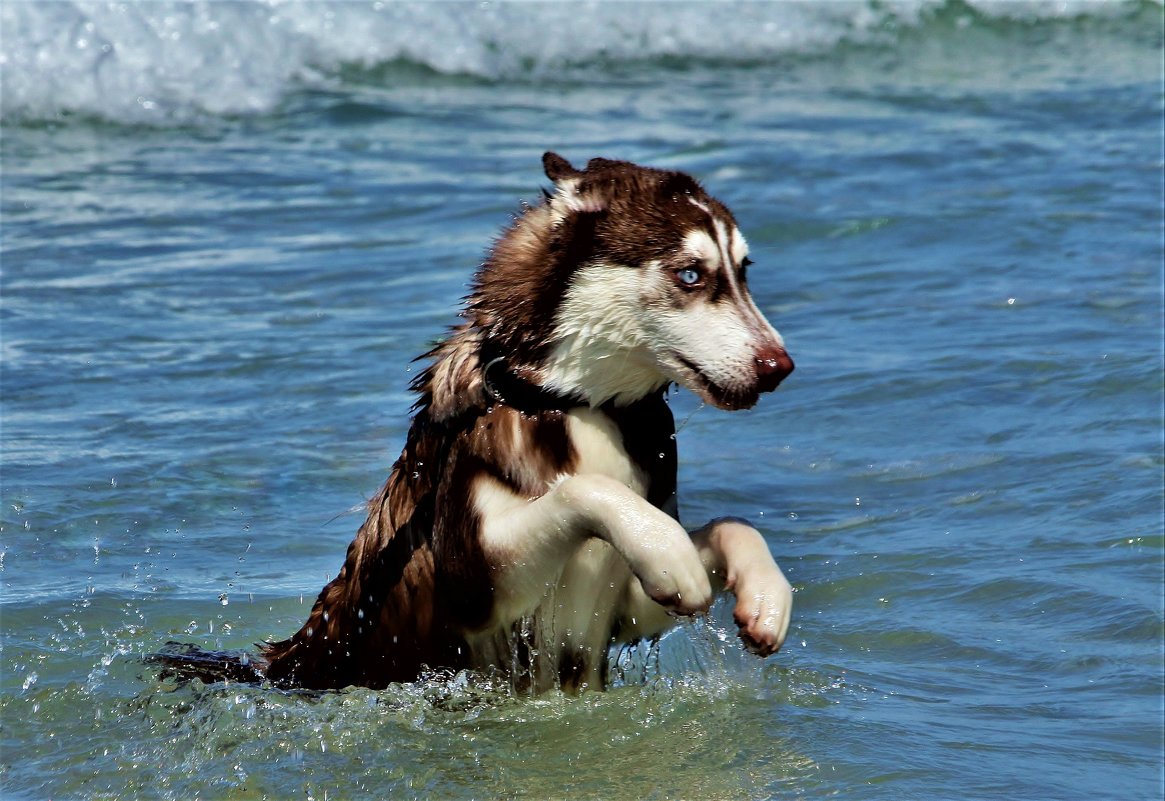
{"x": 738, "y": 559}
{"x": 529, "y": 542}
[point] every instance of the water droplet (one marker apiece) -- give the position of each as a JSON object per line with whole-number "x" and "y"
{"x": 360, "y": 613}
{"x": 309, "y": 631}
{"x": 192, "y": 627}
{"x": 223, "y": 599}
{"x": 30, "y": 680}
{"x": 326, "y": 617}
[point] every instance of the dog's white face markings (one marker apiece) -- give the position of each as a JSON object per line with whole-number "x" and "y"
{"x": 739, "y": 246}
{"x": 727, "y": 251}
{"x": 721, "y": 337}
{"x": 602, "y": 350}
{"x": 726, "y": 265}
{"x": 623, "y": 331}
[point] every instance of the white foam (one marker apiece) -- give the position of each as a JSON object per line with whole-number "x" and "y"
{"x": 166, "y": 61}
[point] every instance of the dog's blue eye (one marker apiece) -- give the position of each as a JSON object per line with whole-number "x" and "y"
{"x": 689, "y": 276}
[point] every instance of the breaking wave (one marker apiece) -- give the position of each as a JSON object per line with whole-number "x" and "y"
{"x": 169, "y": 62}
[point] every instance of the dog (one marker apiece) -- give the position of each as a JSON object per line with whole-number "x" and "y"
{"x": 530, "y": 522}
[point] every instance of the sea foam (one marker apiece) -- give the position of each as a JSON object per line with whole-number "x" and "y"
{"x": 163, "y": 62}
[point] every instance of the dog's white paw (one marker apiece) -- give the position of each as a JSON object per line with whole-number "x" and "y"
{"x": 764, "y": 606}
{"x": 668, "y": 567}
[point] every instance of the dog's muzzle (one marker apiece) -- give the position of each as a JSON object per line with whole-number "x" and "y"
{"x": 773, "y": 365}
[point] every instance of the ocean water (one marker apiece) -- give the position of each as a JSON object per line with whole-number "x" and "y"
{"x": 229, "y": 228}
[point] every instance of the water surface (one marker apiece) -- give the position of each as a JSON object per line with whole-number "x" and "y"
{"x": 228, "y": 229}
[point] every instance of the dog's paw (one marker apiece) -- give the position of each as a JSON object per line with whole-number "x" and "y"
{"x": 764, "y": 605}
{"x": 671, "y": 573}
{"x": 682, "y": 598}
{"x": 656, "y": 547}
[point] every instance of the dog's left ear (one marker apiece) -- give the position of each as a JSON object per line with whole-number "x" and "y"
{"x": 570, "y": 197}
{"x": 557, "y": 168}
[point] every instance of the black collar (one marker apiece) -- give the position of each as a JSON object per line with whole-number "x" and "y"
{"x": 507, "y": 387}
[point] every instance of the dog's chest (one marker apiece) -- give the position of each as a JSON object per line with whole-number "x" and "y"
{"x": 598, "y": 447}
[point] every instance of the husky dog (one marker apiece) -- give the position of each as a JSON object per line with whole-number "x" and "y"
{"x": 530, "y": 522}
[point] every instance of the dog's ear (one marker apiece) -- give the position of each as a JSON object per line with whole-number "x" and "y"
{"x": 572, "y": 195}
{"x": 557, "y": 168}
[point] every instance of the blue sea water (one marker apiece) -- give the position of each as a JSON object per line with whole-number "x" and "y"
{"x": 228, "y": 228}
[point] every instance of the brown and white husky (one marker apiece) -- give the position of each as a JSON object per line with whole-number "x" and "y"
{"x": 536, "y": 489}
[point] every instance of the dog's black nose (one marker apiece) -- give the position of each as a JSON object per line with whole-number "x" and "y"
{"x": 772, "y": 367}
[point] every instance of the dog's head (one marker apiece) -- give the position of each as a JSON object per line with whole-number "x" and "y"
{"x": 642, "y": 276}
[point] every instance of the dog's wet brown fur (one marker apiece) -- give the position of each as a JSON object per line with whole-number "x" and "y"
{"x": 415, "y": 581}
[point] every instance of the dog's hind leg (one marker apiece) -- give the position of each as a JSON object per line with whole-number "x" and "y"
{"x": 529, "y": 542}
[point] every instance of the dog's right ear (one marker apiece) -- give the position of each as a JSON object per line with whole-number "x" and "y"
{"x": 557, "y": 168}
